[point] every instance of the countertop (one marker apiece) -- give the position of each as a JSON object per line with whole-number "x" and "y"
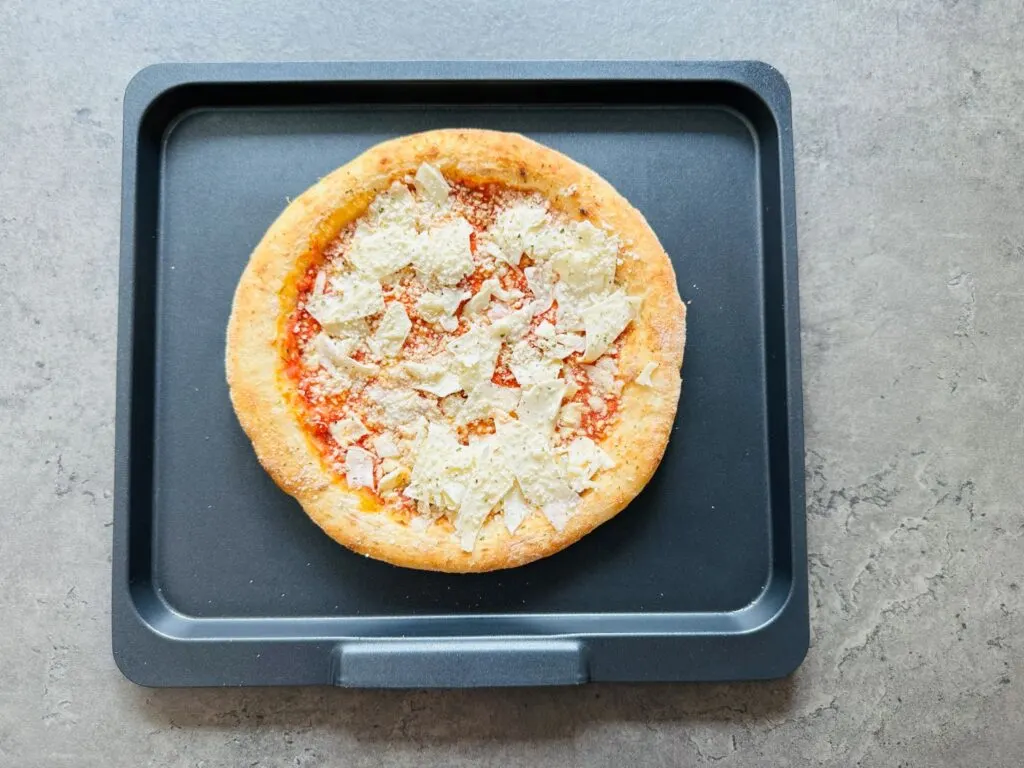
{"x": 909, "y": 130}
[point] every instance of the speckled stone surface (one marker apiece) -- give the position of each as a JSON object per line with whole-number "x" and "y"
{"x": 910, "y": 167}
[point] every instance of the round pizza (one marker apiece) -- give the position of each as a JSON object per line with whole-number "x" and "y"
{"x": 460, "y": 352}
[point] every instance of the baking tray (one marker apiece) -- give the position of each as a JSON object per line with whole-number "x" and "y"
{"x": 220, "y": 579}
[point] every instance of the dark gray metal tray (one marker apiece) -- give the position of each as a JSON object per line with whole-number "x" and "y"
{"x": 218, "y": 577}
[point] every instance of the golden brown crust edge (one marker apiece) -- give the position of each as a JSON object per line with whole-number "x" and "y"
{"x": 636, "y": 441}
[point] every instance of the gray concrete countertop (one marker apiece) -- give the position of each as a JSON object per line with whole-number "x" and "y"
{"x": 910, "y": 171}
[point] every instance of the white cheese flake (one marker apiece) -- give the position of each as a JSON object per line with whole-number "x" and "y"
{"x": 337, "y": 353}
{"x": 602, "y": 376}
{"x": 488, "y": 288}
{"x": 558, "y": 346}
{"x": 527, "y": 228}
{"x": 587, "y": 265}
{"x": 488, "y": 482}
{"x": 441, "y": 306}
{"x": 486, "y": 398}
{"x": 514, "y": 508}
{"x": 541, "y": 281}
{"x": 379, "y": 253}
{"x": 529, "y": 366}
{"x": 559, "y": 511}
{"x": 354, "y": 297}
{"x": 360, "y": 369}
{"x": 604, "y": 322}
{"x": 391, "y": 480}
{"x": 530, "y": 458}
{"x": 347, "y": 430}
{"x": 440, "y": 468}
{"x": 444, "y": 253}
{"x": 584, "y": 459}
{"x": 385, "y": 446}
{"x": 475, "y": 353}
{"x": 571, "y": 387}
{"x": 393, "y": 330}
{"x": 433, "y": 378}
{"x": 431, "y": 184}
{"x": 359, "y": 468}
{"x": 571, "y": 415}
{"x": 394, "y": 207}
{"x": 332, "y": 350}
{"x": 644, "y": 378}
{"x": 513, "y": 325}
{"x": 539, "y": 405}
{"x": 319, "y": 284}
{"x": 402, "y": 409}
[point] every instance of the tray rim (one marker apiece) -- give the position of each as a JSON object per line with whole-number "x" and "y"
{"x": 142, "y": 618}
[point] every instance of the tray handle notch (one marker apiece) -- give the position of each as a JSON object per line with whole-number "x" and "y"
{"x": 462, "y": 663}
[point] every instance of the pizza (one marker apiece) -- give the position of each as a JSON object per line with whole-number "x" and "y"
{"x": 459, "y": 352}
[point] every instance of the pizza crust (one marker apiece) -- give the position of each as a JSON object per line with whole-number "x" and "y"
{"x": 267, "y": 291}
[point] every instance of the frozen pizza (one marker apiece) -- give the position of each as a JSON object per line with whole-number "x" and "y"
{"x": 461, "y": 351}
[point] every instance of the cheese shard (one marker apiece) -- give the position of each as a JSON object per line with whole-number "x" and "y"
{"x": 584, "y": 459}
{"x": 604, "y": 321}
{"x": 514, "y": 324}
{"x": 558, "y": 346}
{"x": 489, "y": 481}
{"x": 379, "y": 253}
{"x": 359, "y": 468}
{"x": 319, "y": 283}
{"x": 571, "y": 415}
{"x": 337, "y": 354}
{"x": 475, "y": 353}
{"x": 444, "y": 253}
{"x": 514, "y": 508}
{"x": 528, "y": 453}
{"x": 558, "y": 512}
{"x": 644, "y": 377}
{"x": 430, "y": 184}
{"x": 385, "y": 446}
{"x": 347, "y": 430}
{"x": 541, "y": 281}
{"x": 517, "y": 230}
{"x": 539, "y": 405}
{"x": 439, "y": 469}
{"x": 355, "y": 297}
{"x": 587, "y": 265}
{"x": 393, "y": 330}
{"x": 488, "y": 288}
{"x": 440, "y": 307}
{"x": 484, "y": 399}
{"x": 529, "y": 366}
{"x": 332, "y": 350}
{"x": 389, "y": 481}
{"x": 527, "y": 228}
{"x": 602, "y": 376}
{"x": 394, "y": 207}
{"x": 401, "y": 408}
{"x": 433, "y": 378}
